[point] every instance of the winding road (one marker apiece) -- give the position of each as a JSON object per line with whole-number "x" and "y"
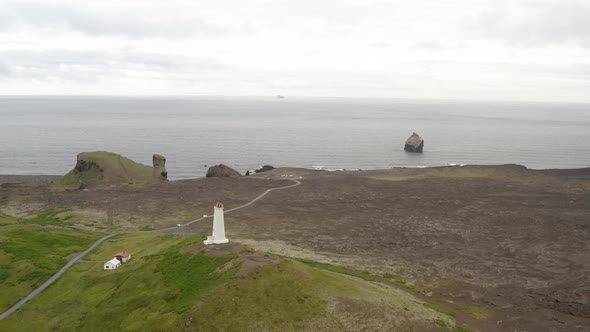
{"x": 59, "y": 273}
{"x": 233, "y": 209}
{"x": 53, "y": 278}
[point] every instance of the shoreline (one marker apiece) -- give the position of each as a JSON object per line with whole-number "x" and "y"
{"x": 53, "y": 177}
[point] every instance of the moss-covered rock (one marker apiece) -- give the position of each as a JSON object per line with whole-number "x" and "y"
{"x": 101, "y": 167}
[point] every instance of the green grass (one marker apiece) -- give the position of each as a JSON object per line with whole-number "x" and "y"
{"x": 281, "y": 297}
{"x": 115, "y": 168}
{"x": 150, "y": 289}
{"x": 163, "y": 289}
{"x": 4, "y": 272}
{"x": 400, "y": 282}
{"x": 31, "y": 253}
{"x": 138, "y": 244}
{"x": 404, "y": 284}
{"x": 292, "y": 296}
{"x": 73, "y": 179}
{"x": 87, "y": 298}
{"x": 45, "y": 249}
{"x": 119, "y": 167}
{"x": 336, "y": 269}
{"x": 439, "y": 309}
{"x": 468, "y": 276}
{"x": 192, "y": 276}
{"x": 51, "y": 217}
{"x": 478, "y": 312}
{"x": 460, "y": 328}
{"x": 440, "y": 322}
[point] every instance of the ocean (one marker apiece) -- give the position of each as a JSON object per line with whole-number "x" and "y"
{"x": 43, "y": 135}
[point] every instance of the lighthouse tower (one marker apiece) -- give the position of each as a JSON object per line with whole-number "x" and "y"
{"x": 218, "y": 234}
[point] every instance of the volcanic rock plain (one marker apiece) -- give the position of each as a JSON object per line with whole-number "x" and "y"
{"x": 505, "y": 248}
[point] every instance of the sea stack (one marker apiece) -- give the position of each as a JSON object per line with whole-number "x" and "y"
{"x": 159, "y": 163}
{"x": 414, "y": 143}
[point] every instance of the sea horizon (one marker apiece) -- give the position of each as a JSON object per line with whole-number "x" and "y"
{"x": 42, "y": 135}
{"x": 300, "y": 97}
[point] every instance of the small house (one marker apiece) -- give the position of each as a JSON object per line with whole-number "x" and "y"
{"x": 123, "y": 256}
{"x": 112, "y": 264}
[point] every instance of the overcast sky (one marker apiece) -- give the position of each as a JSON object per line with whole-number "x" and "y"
{"x": 471, "y": 49}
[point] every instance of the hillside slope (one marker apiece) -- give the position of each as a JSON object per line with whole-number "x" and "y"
{"x": 175, "y": 283}
{"x": 30, "y": 252}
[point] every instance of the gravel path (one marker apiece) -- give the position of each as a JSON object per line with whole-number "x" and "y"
{"x": 233, "y": 209}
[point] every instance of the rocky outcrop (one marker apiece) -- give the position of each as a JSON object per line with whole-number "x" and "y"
{"x": 102, "y": 168}
{"x": 414, "y": 143}
{"x": 264, "y": 168}
{"x": 84, "y": 165}
{"x": 159, "y": 163}
{"x": 222, "y": 171}
{"x": 159, "y": 160}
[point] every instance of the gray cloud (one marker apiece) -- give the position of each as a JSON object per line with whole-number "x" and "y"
{"x": 95, "y": 20}
{"x": 430, "y": 45}
{"x": 541, "y": 72}
{"x": 421, "y": 48}
{"x": 543, "y": 23}
{"x": 91, "y": 66}
{"x": 381, "y": 45}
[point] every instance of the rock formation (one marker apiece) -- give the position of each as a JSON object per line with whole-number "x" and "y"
{"x": 84, "y": 164}
{"x": 102, "y": 168}
{"x": 159, "y": 163}
{"x": 222, "y": 171}
{"x": 264, "y": 169}
{"x": 414, "y": 143}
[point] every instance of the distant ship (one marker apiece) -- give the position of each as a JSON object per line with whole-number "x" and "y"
{"x": 280, "y": 97}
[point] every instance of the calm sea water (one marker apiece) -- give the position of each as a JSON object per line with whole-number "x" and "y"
{"x": 44, "y": 135}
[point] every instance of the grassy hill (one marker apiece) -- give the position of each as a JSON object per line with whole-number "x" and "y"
{"x": 106, "y": 168}
{"x": 176, "y": 283}
{"x": 31, "y": 251}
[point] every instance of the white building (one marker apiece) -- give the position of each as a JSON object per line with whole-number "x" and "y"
{"x": 118, "y": 259}
{"x": 112, "y": 264}
{"x": 218, "y": 234}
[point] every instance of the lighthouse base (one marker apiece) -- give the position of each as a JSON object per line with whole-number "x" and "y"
{"x": 211, "y": 240}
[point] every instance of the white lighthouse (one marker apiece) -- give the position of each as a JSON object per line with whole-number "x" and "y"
{"x": 218, "y": 234}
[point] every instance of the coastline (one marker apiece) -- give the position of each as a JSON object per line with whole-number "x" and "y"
{"x": 429, "y": 226}
{"x": 48, "y": 178}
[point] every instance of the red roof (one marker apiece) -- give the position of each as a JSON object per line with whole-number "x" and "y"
{"x": 219, "y": 205}
{"x": 122, "y": 254}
